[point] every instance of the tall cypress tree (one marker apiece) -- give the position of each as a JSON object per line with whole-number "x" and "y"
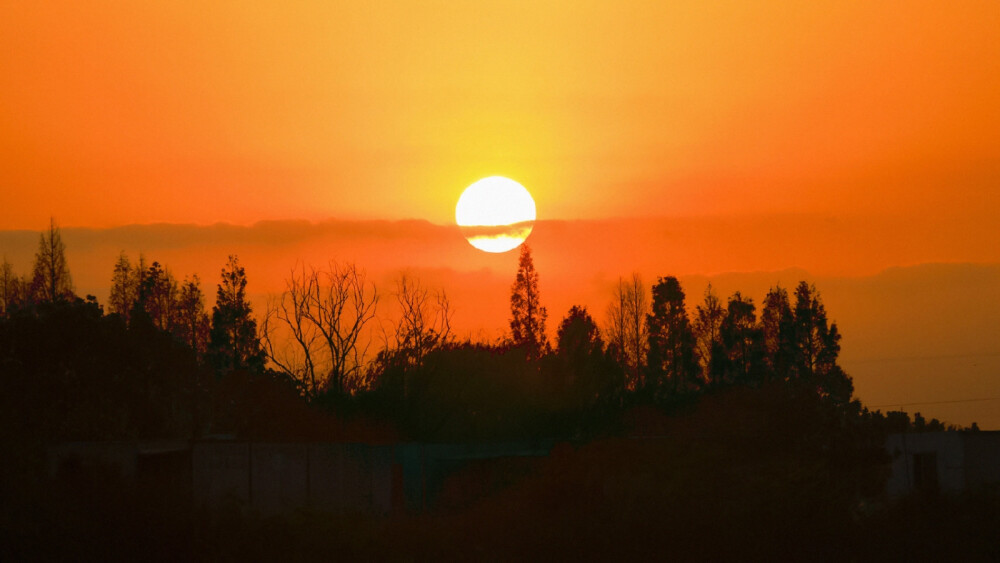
{"x": 527, "y": 315}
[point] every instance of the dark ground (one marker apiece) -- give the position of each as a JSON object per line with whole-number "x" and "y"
{"x": 741, "y": 476}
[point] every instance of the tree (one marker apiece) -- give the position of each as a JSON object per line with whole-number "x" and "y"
{"x": 124, "y": 288}
{"x": 327, "y": 313}
{"x": 582, "y": 362}
{"x": 10, "y": 288}
{"x": 50, "y": 279}
{"x": 140, "y": 273}
{"x": 291, "y": 312}
{"x": 157, "y": 296}
{"x": 628, "y": 339}
{"x": 578, "y": 334}
{"x": 527, "y": 315}
{"x": 816, "y": 347}
{"x": 816, "y": 342}
{"x": 422, "y": 325}
{"x": 70, "y": 373}
{"x": 233, "y": 341}
{"x": 191, "y": 325}
{"x": 707, "y": 332}
{"x": 742, "y": 341}
{"x": 672, "y": 363}
{"x": 778, "y": 326}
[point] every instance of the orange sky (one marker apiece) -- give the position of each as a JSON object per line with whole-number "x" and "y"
{"x": 124, "y": 112}
{"x": 693, "y": 139}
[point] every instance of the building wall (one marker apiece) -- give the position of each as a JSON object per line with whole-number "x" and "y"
{"x": 117, "y": 457}
{"x": 966, "y": 461}
{"x": 276, "y": 478}
{"x": 350, "y": 478}
{"x": 221, "y": 473}
{"x": 279, "y": 477}
{"x": 948, "y": 448}
{"x": 340, "y": 478}
{"x": 982, "y": 454}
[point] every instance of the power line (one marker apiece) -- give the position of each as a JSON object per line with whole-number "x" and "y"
{"x": 933, "y": 402}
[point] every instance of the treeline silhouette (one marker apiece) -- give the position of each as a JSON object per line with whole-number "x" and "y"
{"x": 685, "y": 424}
{"x": 155, "y": 363}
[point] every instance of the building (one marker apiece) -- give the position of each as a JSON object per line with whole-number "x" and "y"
{"x": 943, "y": 462}
{"x": 277, "y": 478}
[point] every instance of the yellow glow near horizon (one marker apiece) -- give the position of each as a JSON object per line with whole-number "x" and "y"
{"x": 496, "y": 214}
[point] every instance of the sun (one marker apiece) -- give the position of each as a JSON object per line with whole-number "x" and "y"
{"x": 496, "y": 214}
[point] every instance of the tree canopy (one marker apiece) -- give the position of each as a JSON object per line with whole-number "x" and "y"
{"x": 233, "y": 341}
{"x": 50, "y": 278}
{"x": 527, "y": 314}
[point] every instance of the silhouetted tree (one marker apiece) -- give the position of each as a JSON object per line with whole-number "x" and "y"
{"x": 707, "y": 331}
{"x": 422, "y": 325}
{"x": 124, "y": 288}
{"x": 10, "y": 288}
{"x": 628, "y": 339}
{"x": 469, "y": 392}
{"x": 233, "y": 341}
{"x": 578, "y": 335}
{"x": 778, "y": 325}
{"x": 140, "y": 273}
{"x": 816, "y": 341}
{"x": 157, "y": 296}
{"x": 291, "y": 312}
{"x": 527, "y": 315}
{"x": 50, "y": 279}
{"x": 817, "y": 346}
{"x": 191, "y": 325}
{"x": 743, "y": 342}
{"x": 921, "y": 424}
{"x": 811, "y": 332}
{"x": 326, "y": 312}
{"x": 71, "y": 373}
{"x": 588, "y": 374}
{"x": 672, "y": 363}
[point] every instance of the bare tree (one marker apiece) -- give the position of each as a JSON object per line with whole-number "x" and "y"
{"x": 343, "y": 306}
{"x": 326, "y": 312}
{"x": 10, "y": 287}
{"x": 628, "y": 337}
{"x": 50, "y": 279}
{"x": 290, "y": 312}
{"x": 422, "y": 325}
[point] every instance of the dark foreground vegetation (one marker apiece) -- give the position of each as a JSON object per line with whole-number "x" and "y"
{"x": 740, "y": 475}
{"x": 718, "y": 433}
